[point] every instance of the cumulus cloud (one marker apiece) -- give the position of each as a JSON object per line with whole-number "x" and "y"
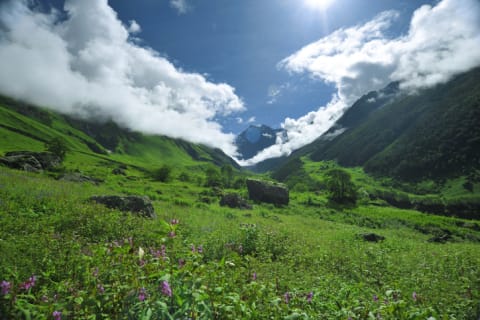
{"x": 134, "y": 27}
{"x": 442, "y": 41}
{"x": 85, "y": 64}
{"x": 181, "y": 6}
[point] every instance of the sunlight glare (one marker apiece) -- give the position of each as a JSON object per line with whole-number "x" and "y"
{"x": 318, "y": 4}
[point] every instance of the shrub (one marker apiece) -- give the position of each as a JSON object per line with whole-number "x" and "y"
{"x": 341, "y": 188}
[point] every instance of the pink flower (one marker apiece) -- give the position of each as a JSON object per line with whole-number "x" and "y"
{"x": 142, "y": 294}
{"x": 414, "y": 296}
{"x": 310, "y": 296}
{"x": 5, "y": 286}
{"x": 30, "y": 283}
{"x": 375, "y": 298}
{"x": 181, "y": 263}
{"x": 57, "y": 315}
{"x": 286, "y": 297}
{"x": 174, "y": 221}
{"x": 166, "y": 290}
{"x": 172, "y": 234}
{"x": 200, "y": 249}
{"x": 254, "y": 276}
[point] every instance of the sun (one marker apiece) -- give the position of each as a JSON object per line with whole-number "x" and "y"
{"x": 318, "y": 4}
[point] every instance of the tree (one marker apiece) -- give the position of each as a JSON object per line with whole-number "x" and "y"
{"x": 227, "y": 175}
{"x": 214, "y": 179}
{"x": 57, "y": 146}
{"x": 341, "y": 188}
{"x": 163, "y": 174}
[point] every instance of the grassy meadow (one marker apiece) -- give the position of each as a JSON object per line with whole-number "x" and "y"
{"x": 64, "y": 257}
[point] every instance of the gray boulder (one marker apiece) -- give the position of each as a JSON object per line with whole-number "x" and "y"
{"x": 265, "y": 191}
{"x": 79, "y": 177}
{"x": 234, "y": 200}
{"x": 140, "y": 205}
{"x": 372, "y": 237}
{"x": 30, "y": 161}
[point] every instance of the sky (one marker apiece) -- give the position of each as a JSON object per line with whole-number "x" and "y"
{"x": 204, "y": 71}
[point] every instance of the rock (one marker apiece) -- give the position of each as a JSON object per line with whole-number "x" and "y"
{"x": 140, "y": 205}
{"x": 30, "y": 161}
{"x": 78, "y": 177}
{"x": 441, "y": 238}
{"x": 234, "y": 200}
{"x": 119, "y": 171}
{"x": 372, "y": 237}
{"x": 269, "y": 192}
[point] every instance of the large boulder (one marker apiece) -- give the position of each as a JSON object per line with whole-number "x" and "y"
{"x": 140, "y": 205}
{"x": 234, "y": 200}
{"x": 265, "y": 191}
{"x": 30, "y": 161}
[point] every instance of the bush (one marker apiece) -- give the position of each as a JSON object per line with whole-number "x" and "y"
{"x": 57, "y": 146}
{"x": 341, "y": 188}
{"x": 164, "y": 174}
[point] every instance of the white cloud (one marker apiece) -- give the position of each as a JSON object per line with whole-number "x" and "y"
{"x": 134, "y": 27}
{"x": 442, "y": 41}
{"x": 86, "y": 65}
{"x": 181, "y": 6}
{"x": 251, "y": 120}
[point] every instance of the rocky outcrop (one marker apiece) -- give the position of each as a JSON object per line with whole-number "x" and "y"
{"x": 372, "y": 237}
{"x": 140, "y": 205}
{"x": 30, "y": 161}
{"x": 234, "y": 200}
{"x": 265, "y": 191}
{"x": 78, "y": 177}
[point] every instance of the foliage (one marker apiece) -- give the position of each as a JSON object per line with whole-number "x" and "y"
{"x": 213, "y": 177}
{"x": 163, "y": 174}
{"x": 340, "y": 187}
{"x": 57, "y": 146}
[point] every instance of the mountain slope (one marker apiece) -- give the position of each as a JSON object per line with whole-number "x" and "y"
{"x": 431, "y": 134}
{"x": 256, "y": 138}
{"x": 25, "y": 127}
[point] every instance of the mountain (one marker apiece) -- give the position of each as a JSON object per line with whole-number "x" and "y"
{"x": 256, "y": 138}
{"x": 429, "y": 134}
{"x": 27, "y": 127}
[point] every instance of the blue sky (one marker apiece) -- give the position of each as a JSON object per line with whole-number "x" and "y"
{"x": 241, "y": 43}
{"x": 202, "y": 71}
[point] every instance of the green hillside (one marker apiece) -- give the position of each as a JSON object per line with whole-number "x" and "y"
{"x": 26, "y": 127}
{"x": 432, "y": 134}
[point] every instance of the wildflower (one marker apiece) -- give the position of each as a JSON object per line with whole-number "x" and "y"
{"x": 286, "y": 297}
{"x": 254, "y": 276}
{"x": 142, "y": 294}
{"x": 141, "y": 253}
{"x": 181, "y": 263}
{"x": 142, "y": 263}
{"x": 30, "y": 283}
{"x": 200, "y": 249}
{"x": 375, "y": 298}
{"x": 95, "y": 272}
{"x": 172, "y": 234}
{"x": 5, "y": 286}
{"x": 44, "y": 298}
{"x": 414, "y": 296}
{"x": 174, "y": 221}
{"x": 193, "y": 248}
{"x": 310, "y": 296}
{"x": 100, "y": 288}
{"x": 240, "y": 249}
{"x": 166, "y": 290}
{"x": 57, "y": 315}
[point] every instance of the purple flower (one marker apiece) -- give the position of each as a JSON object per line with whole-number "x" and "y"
{"x": 100, "y": 288}
{"x": 174, "y": 221}
{"x": 95, "y": 272}
{"x": 375, "y": 298}
{"x": 181, "y": 263}
{"x": 30, "y": 283}
{"x": 142, "y": 294}
{"x": 200, "y": 249}
{"x": 310, "y": 296}
{"x": 172, "y": 234}
{"x": 44, "y": 298}
{"x": 193, "y": 248}
{"x": 254, "y": 276}
{"x": 5, "y": 286}
{"x": 286, "y": 297}
{"x": 166, "y": 290}
{"x": 57, "y": 315}
{"x": 414, "y": 296}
